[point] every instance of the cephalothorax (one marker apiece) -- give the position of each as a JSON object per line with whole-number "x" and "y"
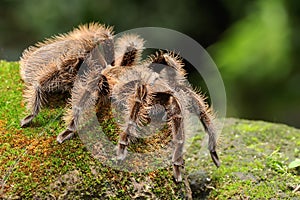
{"x": 116, "y": 71}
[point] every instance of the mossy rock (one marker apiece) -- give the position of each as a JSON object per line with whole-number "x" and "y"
{"x": 255, "y": 156}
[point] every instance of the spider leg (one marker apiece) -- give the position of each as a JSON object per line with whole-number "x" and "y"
{"x": 175, "y": 77}
{"x": 176, "y": 122}
{"x": 34, "y": 97}
{"x": 109, "y": 48}
{"x": 88, "y": 89}
{"x": 129, "y": 48}
{"x": 136, "y": 106}
{"x": 206, "y": 118}
{"x": 174, "y": 109}
{"x": 84, "y": 100}
{"x": 49, "y": 79}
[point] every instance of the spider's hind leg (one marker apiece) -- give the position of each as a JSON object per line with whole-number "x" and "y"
{"x": 34, "y": 97}
{"x": 84, "y": 98}
{"x": 88, "y": 89}
{"x": 49, "y": 79}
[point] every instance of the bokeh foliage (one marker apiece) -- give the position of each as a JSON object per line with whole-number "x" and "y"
{"x": 257, "y": 58}
{"x": 255, "y": 44}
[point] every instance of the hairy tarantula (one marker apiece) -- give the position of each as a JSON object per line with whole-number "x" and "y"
{"x": 113, "y": 70}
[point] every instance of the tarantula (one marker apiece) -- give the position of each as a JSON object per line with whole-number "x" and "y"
{"x": 113, "y": 70}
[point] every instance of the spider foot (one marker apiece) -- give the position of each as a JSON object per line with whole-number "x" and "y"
{"x": 26, "y": 121}
{"x": 215, "y": 158}
{"x": 177, "y": 173}
{"x": 65, "y": 135}
{"x": 121, "y": 152}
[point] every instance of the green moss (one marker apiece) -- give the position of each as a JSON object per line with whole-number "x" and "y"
{"x": 254, "y": 155}
{"x": 34, "y": 165}
{"x": 255, "y": 158}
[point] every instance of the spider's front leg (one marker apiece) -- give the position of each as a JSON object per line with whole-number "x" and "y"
{"x": 170, "y": 101}
{"x": 175, "y": 118}
{"x": 204, "y": 113}
{"x": 136, "y": 106}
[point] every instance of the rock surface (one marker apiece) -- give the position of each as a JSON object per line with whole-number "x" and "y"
{"x": 254, "y": 160}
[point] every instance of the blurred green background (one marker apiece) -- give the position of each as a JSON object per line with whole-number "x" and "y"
{"x": 255, "y": 43}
